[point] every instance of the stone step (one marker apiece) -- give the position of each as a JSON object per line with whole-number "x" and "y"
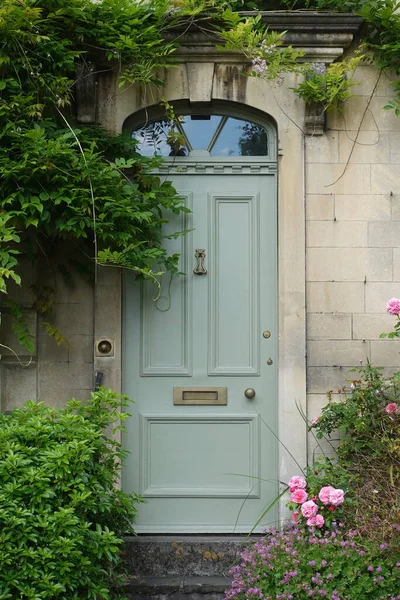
{"x": 183, "y": 555}
{"x": 176, "y": 588}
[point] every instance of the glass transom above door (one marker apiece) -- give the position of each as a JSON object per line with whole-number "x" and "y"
{"x": 214, "y": 135}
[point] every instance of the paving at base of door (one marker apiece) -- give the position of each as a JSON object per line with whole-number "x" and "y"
{"x": 181, "y": 567}
{"x": 176, "y": 588}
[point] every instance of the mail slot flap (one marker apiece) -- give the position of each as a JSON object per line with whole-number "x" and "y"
{"x": 200, "y": 395}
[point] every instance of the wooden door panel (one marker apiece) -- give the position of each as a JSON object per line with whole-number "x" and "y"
{"x": 201, "y": 466}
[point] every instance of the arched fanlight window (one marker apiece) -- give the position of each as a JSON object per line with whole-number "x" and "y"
{"x": 215, "y": 135}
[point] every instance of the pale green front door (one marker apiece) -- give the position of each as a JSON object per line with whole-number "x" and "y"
{"x": 207, "y": 467}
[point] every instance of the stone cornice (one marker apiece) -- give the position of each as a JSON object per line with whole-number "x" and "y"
{"x": 307, "y": 20}
{"x": 322, "y": 36}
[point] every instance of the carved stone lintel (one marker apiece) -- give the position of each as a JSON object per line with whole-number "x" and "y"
{"x": 85, "y": 92}
{"x": 321, "y": 36}
{"x": 314, "y": 120}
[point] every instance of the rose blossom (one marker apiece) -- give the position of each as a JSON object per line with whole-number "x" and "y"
{"x": 299, "y": 496}
{"x": 393, "y": 307}
{"x": 324, "y": 494}
{"x": 392, "y": 407}
{"x": 296, "y": 482}
{"x": 317, "y": 521}
{"x": 315, "y": 420}
{"x": 336, "y": 497}
{"x": 309, "y": 509}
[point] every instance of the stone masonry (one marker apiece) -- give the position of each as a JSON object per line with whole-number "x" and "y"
{"x": 352, "y": 227}
{"x": 352, "y": 239}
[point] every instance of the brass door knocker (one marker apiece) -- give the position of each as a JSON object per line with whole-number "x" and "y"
{"x": 200, "y": 255}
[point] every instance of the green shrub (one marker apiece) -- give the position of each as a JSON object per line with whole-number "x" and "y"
{"x": 298, "y": 564}
{"x": 61, "y": 515}
{"x": 343, "y": 542}
{"x": 368, "y": 421}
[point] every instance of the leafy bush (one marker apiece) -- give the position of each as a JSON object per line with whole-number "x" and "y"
{"x": 61, "y": 515}
{"x": 59, "y": 182}
{"x": 329, "y": 86}
{"x": 297, "y": 564}
{"x": 343, "y": 542}
{"x": 368, "y": 420}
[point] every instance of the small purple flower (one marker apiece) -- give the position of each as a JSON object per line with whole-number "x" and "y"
{"x": 260, "y": 65}
{"x": 319, "y": 69}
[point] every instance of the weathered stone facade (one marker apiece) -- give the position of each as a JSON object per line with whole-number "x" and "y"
{"x": 339, "y": 232}
{"x": 353, "y": 238}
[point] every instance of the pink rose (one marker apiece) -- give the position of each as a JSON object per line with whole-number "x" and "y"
{"x": 297, "y": 482}
{"x": 295, "y": 515}
{"x": 299, "y": 496}
{"x": 393, "y": 307}
{"x": 336, "y": 497}
{"x": 315, "y": 420}
{"x": 309, "y": 509}
{"x": 392, "y": 407}
{"x": 324, "y": 494}
{"x": 317, "y": 521}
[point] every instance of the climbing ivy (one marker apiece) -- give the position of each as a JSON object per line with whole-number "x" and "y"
{"x": 58, "y": 182}
{"x": 380, "y": 40}
{"x": 272, "y": 58}
{"x": 62, "y": 183}
{"x": 330, "y": 86}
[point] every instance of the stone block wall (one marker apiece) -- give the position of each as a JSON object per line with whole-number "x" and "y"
{"x": 53, "y": 374}
{"x": 352, "y": 202}
{"x": 352, "y": 239}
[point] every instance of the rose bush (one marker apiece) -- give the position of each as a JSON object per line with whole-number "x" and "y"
{"x": 315, "y": 506}
{"x": 344, "y": 539}
{"x": 368, "y": 465}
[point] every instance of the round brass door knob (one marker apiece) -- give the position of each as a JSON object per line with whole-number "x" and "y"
{"x": 249, "y": 393}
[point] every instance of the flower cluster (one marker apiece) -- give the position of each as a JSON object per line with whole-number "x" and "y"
{"x": 392, "y": 408}
{"x": 328, "y": 498}
{"x": 260, "y": 65}
{"x": 393, "y": 307}
{"x": 267, "y": 48}
{"x": 299, "y": 564}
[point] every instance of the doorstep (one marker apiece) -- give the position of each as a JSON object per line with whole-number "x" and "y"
{"x": 183, "y": 556}
{"x": 177, "y": 588}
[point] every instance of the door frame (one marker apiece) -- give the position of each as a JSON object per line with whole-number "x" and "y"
{"x": 262, "y": 107}
{"x": 260, "y": 418}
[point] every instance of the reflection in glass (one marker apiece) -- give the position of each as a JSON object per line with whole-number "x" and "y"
{"x": 200, "y": 129}
{"x": 219, "y": 135}
{"x": 160, "y": 139}
{"x": 253, "y": 140}
{"x": 152, "y": 139}
{"x": 241, "y": 138}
